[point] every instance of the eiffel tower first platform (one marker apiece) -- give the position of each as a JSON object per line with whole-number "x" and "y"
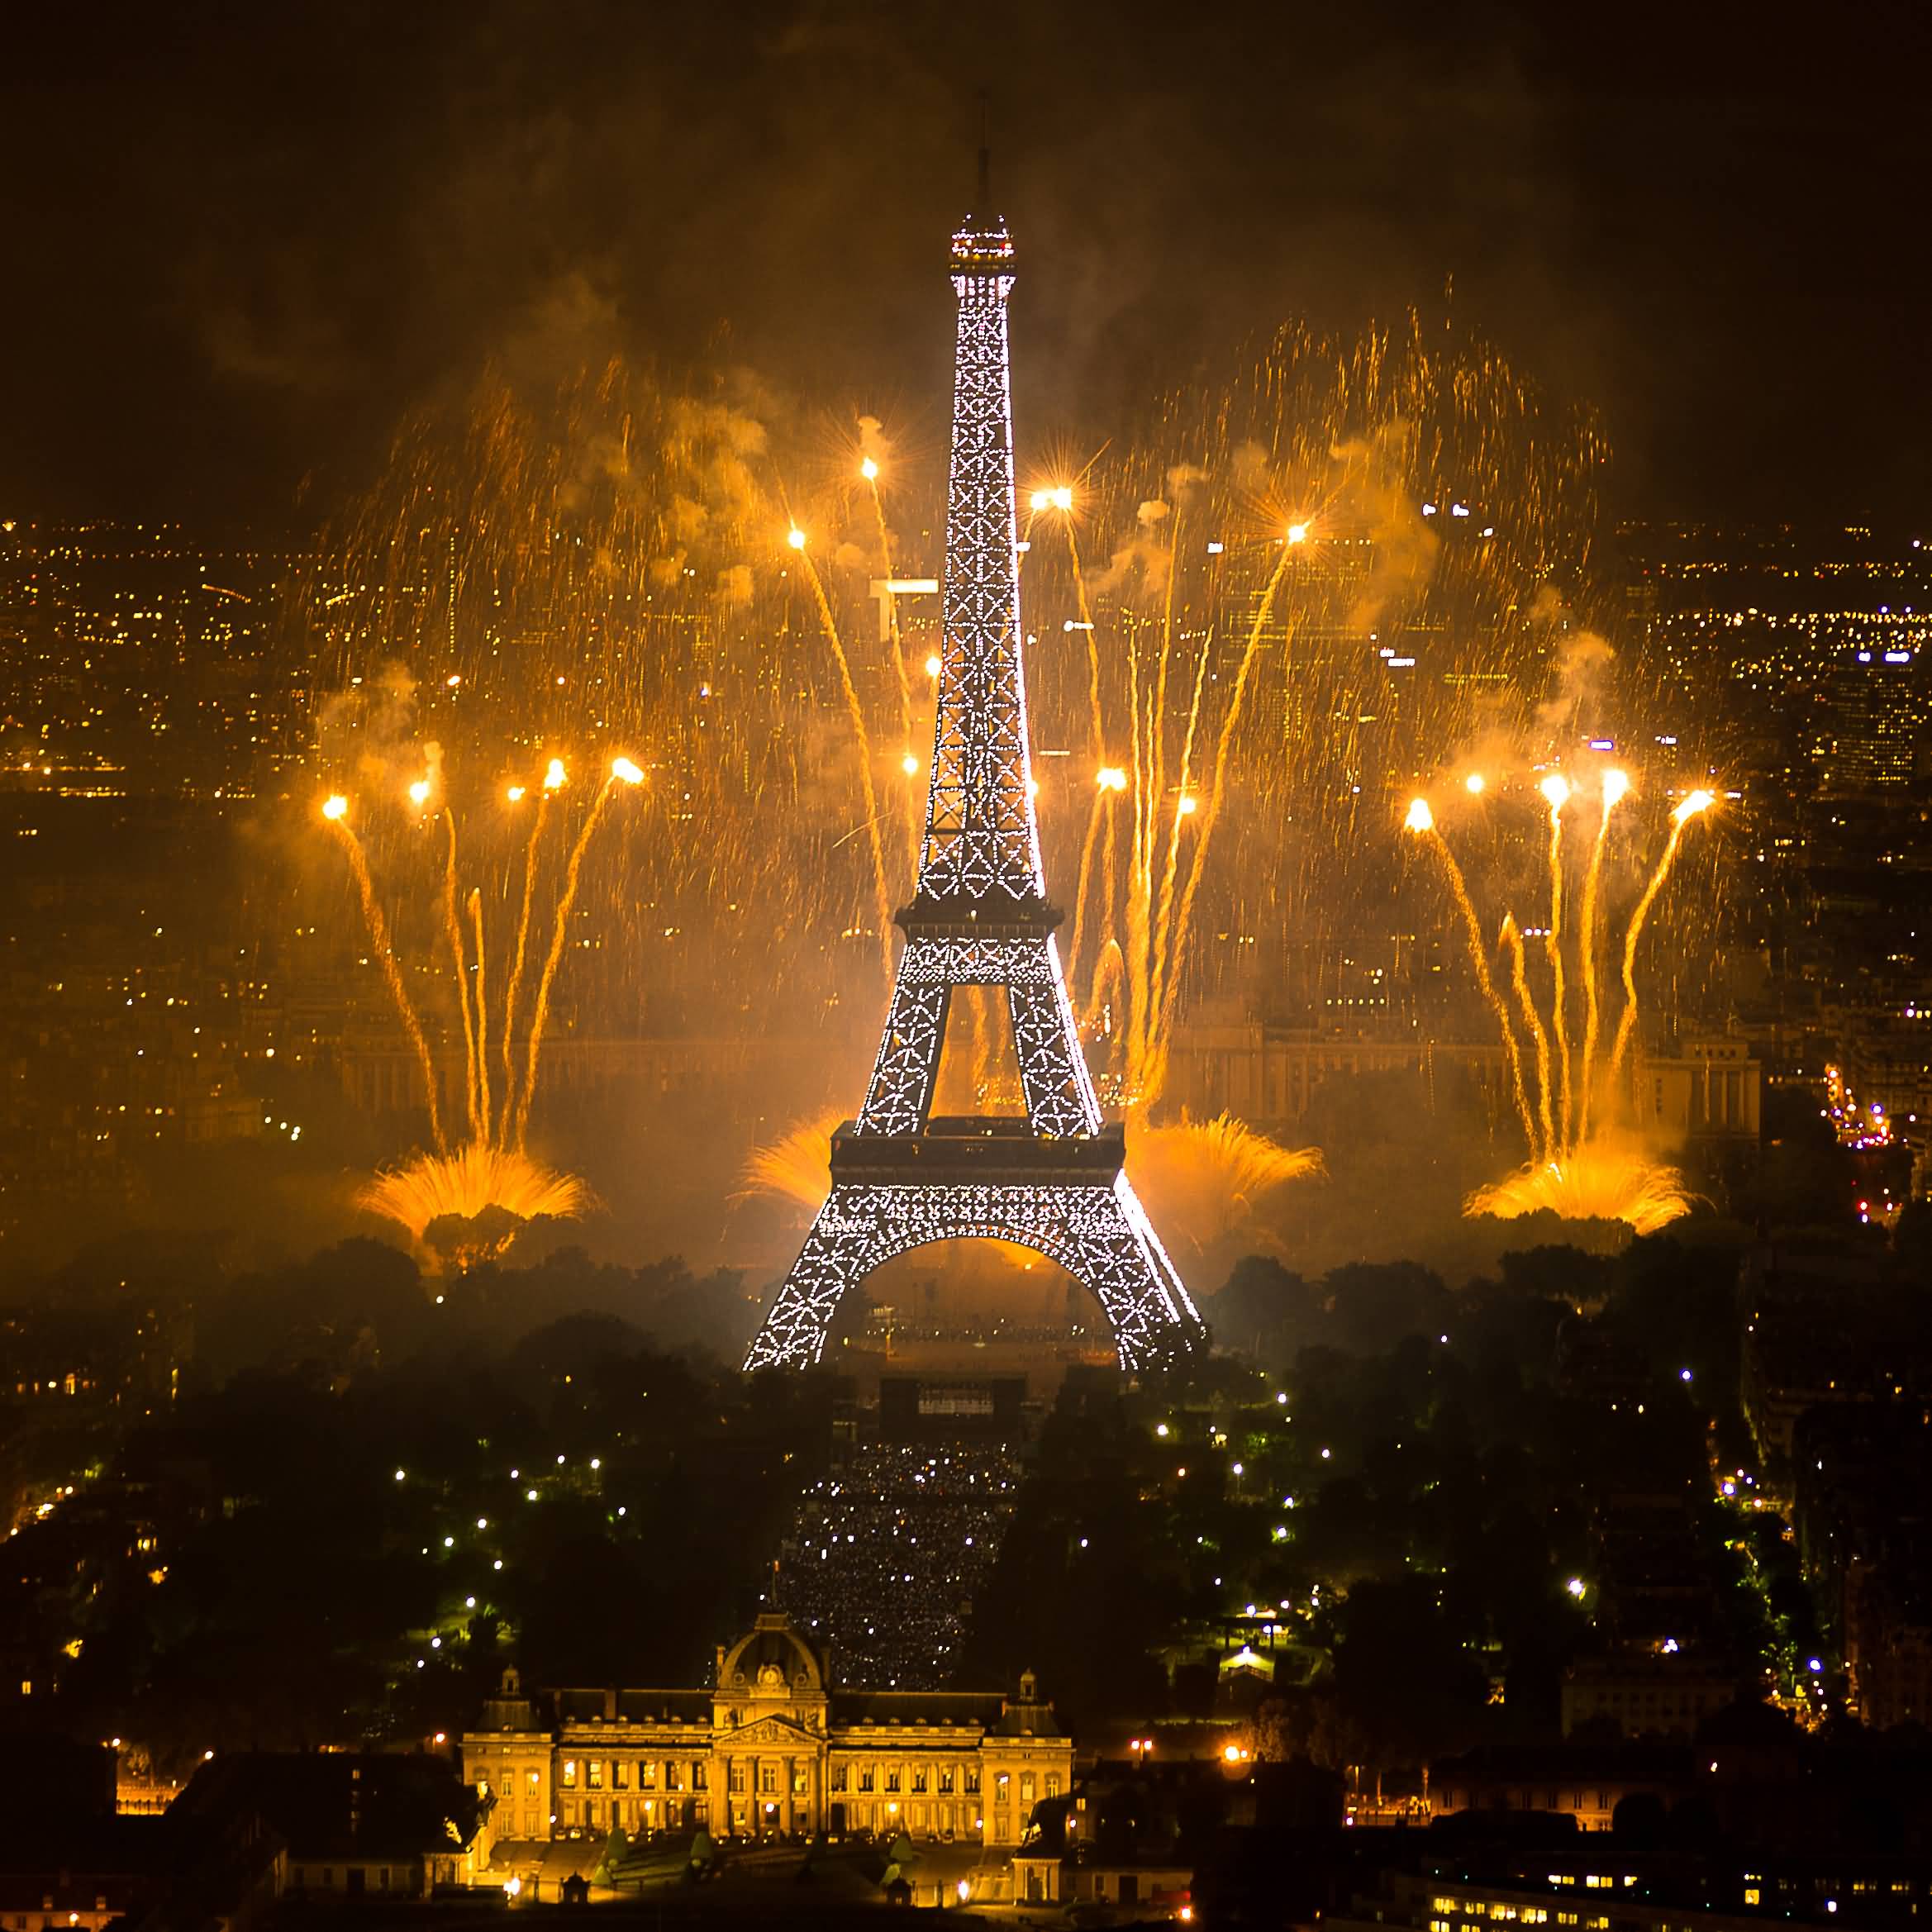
{"x": 1053, "y": 1182}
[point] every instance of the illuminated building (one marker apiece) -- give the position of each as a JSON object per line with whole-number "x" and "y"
{"x": 773, "y": 1748}
{"x": 1877, "y": 715}
{"x": 1053, "y": 1182}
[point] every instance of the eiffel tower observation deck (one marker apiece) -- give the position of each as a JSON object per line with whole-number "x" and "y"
{"x": 900, "y": 1177}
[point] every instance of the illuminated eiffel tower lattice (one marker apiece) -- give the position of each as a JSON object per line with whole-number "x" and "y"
{"x": 1053, "y": 1182}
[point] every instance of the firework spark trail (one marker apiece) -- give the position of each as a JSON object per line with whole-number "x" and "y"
{"x": 979, "y": 1003}
{"x": 1162, "y": 924}
{"x": 529, "y": 850}
{"x": 1109, "y": 976}
{"x": 1211, "y": 811}
{"x": 540, "y": 1011}
{"x": 1158, "y": 717}
{"x": 1096, "y": 724}
{"x": 885, "y": 551}
{"x": 901, "y": 679}
{"x": 1557, "y": 790}
{"x": 1614, "y": 785}
{"x": 453, "y": 931}
{"x": 1512, "y": 941}
{"x": 1138, "y": 932}
{"x": 1421, "y": 820}
{"x": 1096, "y": 718}
{"x": 378, "y": 932}
{"x": 1094, "y": 813}
{"x": 483, "y": 1013}
{"x": 1693, "y": 804}
{"x": 881, "y": 888}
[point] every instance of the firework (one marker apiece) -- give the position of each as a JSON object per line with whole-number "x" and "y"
{"x": 1205, "y": 1179}
{"x": 492, "y": 1190}
{"x": 795, "y": 1168}
{"x": 489, "y": 1177}
{"x": 1577, "y": 1167}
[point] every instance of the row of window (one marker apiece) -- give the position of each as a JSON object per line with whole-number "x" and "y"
{"x": 1526, "y": 1800}
{"x": 946, "y": 1778}
{"x": 651, "y": 1774}
{"x": 648, "y": 1771}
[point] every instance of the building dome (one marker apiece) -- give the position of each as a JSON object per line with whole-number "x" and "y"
{"x": 772, "y": 1658}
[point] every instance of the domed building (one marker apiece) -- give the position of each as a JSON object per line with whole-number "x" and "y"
{"x": 773, "y": 1748}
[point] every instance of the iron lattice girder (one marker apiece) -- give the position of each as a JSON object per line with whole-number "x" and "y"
{"x": 1054, "y": 1182}
{"x": 1060, "y": 1099}
{"x": 981, "y": 836}
{"x": 1097, "y": 1231}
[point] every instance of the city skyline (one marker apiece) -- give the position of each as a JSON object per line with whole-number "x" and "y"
{"x": 1364, "y": 1359}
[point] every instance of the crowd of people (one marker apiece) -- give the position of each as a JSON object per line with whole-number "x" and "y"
{"x": 885, "y": 1556}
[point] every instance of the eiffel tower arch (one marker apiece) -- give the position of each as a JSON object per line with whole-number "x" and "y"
{"x": 1055, "y": 1182}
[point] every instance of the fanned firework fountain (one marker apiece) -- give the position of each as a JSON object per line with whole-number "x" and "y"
{"x": 484, "y": 1183}
{"x": 1584, "y": 1161}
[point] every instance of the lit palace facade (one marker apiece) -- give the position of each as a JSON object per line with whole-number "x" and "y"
{"x": 771, "y": 1750}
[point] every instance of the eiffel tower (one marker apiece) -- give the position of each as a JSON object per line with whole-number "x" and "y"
{"x": 1053, "y": 1182}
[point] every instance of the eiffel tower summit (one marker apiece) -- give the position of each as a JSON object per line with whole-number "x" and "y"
{"x": 1054, "y": 1182}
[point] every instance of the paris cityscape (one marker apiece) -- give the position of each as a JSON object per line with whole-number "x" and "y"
{"x": 950, "y": 965}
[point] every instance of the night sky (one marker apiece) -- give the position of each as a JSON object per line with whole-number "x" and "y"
{"x": 241, "y": 241}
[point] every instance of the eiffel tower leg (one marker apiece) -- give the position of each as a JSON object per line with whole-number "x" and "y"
{"x": 1112, "y": 1250}
{"x": 848, "y": 1240}
{"x": 900, "y": 1096}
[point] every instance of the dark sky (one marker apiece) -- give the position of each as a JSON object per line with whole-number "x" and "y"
{"x": 239, "y": 241}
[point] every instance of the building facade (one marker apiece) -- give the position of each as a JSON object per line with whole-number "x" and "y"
{"x": 772, "y": 1749}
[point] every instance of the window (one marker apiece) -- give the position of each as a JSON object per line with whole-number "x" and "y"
{"x": 892, "y": 1778}
{"x": 972, "y": 1781}
{"x": 597, "y": 1774}
{"x": 531, "y": 1783}
{"x": 865, "y": 1777}
{"x": 1053, "y": 1784}
{"x": 919, "y": 1778}
{"x": 1026, "y": 1788}
{"x": 647, "y": 1775}
{"x": 700, "y": 1773}
{"x": 946, "y": 1779}
{"x": 767, "y": 1778}
{"x": 674, "y": 1775}
{"x": 737, "y": 1775}
{"x": 838, "y": 1777}
{"x": 797, "y": 1782}
{"x": 620, "y": 1773}
{"x": 570, "y": 1774}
